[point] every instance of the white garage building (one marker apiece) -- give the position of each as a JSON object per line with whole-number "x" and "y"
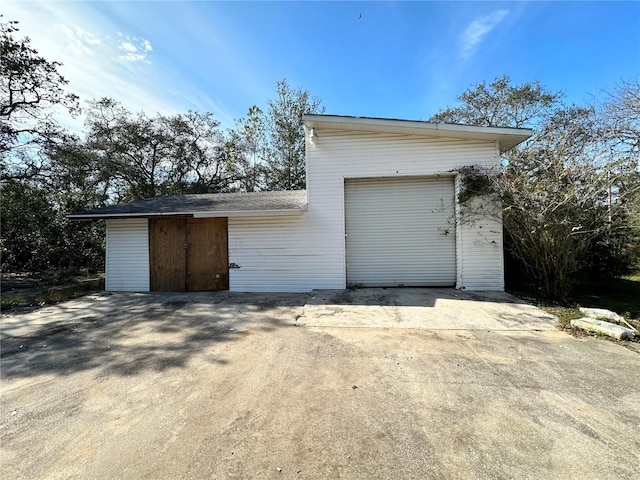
{"x": 380, "y": 209}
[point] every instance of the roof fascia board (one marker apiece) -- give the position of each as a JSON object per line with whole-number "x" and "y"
{"x": 252, "y": 213}
{"x": 104, "y": 216}
{"x": 211, "y": 214}
{"x": 507, "y": 137}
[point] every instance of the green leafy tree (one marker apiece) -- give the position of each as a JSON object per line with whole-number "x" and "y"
{"x": 285, "y": 155}
{"x": 37, "y": 237}
{"x": 202, "y": 158}
{"x": 142, "y": 157}
{"x": 250, "y": 138}
{"x": 271, "y": 144}
{"x": 500, "y": 104}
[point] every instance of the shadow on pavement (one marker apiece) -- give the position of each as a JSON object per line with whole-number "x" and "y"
{"x": 124, "y": 334}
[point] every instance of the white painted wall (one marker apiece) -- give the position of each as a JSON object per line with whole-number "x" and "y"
{"x": 479, "y": 246}
{"x": 280, "y": 254}
{"x": 306, "y": 252}
{"x": 127, "y": 260}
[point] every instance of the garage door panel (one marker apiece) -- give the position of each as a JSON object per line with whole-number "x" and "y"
{"x": 400, "y": 232}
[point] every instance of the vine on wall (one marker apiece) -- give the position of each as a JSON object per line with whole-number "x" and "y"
{"x": 475, "y": 182}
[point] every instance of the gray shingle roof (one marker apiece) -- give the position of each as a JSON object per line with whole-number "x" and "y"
{"x": 207, "y": 204}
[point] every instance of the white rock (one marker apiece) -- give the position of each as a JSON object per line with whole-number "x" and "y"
{"x": 602, "y": 313}
{"x": 606, "y": 328}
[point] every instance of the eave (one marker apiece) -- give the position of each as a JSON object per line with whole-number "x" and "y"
{"x": 507, "y": 138}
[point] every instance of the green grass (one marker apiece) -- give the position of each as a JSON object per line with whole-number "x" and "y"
{"x": 619, "y": 295}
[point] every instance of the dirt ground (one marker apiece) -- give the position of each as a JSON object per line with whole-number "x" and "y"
{"x": 228, "y": 385}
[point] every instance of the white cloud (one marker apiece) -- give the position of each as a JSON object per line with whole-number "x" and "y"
{"x": 79, "y": 41}
{"x": 128, "y": 47}
{"x": 135, "y": 48}
{"x": 478, "y": 30}
{"x": 133, "y": 57}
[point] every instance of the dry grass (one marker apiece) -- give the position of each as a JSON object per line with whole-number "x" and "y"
{"x": 29, "y": 294}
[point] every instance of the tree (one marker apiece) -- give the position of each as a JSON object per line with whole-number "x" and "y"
{"x": 272, "y": 144}
{"x": 205, "y": 160}
{"x": 562, "y": 191}
{"x": 617, "y": 249}
{"x": 31, "y": 92}
{"x": 619, "y": 117}
{"x": 142, "y": 157}
{"x": 285, "y": 160}
{"x": 555, "y": 199}
{"x": 36, "y": 236}
{"x": 36, "y": 191}
{"x": 250, "y": 137}
{"x": 500, "y": 104}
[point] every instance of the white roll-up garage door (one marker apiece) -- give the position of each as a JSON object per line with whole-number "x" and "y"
{"x": 400, "y": 232}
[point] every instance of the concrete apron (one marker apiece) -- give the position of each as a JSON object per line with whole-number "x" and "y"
{"x": 422, "y": 308}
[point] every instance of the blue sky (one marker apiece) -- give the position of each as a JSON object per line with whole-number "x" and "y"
{"x": 382, "y": 59}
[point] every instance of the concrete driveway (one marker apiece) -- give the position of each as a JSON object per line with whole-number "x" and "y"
{"x": 371, "y": 383}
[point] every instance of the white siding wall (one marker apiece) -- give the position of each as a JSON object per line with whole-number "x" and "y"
{"x": 479, "y": 246}
{"x": 279, "y": 254}
{"x": 306, "y": 252}
{"x": 127, "y": 262}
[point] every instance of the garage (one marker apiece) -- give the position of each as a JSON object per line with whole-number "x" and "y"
{"x": 379, "y": 210}
{"x": 188, "y": 254}
{"x": 400, "y": 232}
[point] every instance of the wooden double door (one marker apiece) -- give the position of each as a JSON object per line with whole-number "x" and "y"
{"x": 188, "y": 254}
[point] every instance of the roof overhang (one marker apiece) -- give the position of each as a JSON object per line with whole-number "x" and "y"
{"x": 212, "y": 205}
{"x": 506, "y": 138}
{"x": 213, "y": 214}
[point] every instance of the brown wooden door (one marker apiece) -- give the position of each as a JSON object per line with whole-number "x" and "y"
{"x": 207, "y": 256}
{"x": 167, "y": 254}
{"x": 188, "y": 254}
